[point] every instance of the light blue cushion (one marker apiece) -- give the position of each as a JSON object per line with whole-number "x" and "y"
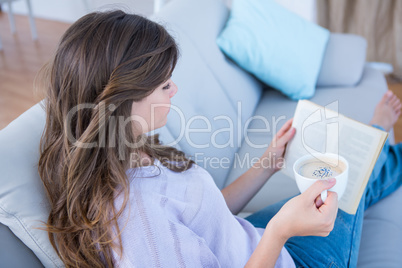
{"x": 279, "y": 47}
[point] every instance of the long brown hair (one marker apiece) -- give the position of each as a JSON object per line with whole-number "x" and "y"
{"x": 104, "y": 62}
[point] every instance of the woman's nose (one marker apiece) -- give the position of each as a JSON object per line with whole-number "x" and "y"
{"x": 174, "y": 90}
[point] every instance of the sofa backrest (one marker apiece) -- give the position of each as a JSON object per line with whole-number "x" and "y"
{"x": 215, "y": 96}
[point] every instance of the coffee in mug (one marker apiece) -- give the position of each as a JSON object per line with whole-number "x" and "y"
{"x": 312, "y": 167}
{"x": 319, "y": 170}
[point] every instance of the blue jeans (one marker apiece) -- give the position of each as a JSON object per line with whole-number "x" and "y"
{"x": 341, "y": 247}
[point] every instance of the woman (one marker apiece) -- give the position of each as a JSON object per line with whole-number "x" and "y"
{"x": 121, "y": 198}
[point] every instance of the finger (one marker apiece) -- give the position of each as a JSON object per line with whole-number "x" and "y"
{"x": 286, "y": 137}
{"x": 318, "y": 202}
{"x": 284, "y": 128}
{"x": 320, "y": 185}
{"x": 331, "y": 204}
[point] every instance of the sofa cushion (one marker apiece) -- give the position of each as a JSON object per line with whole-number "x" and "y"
{"x": 214, "y": 93}
{"x": 198, "y": 27}
{"x": 23, "y": 202}
{"x": 282, "y": 49}
{"x": 343, "y": 61}
{"x": 381, "y": 245}
{"x": 201, "y": 114}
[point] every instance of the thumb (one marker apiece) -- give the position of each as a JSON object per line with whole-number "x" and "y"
{"x": 320, "y": 185}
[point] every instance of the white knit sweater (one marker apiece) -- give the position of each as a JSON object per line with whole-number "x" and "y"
{"x": 182, "y": 220}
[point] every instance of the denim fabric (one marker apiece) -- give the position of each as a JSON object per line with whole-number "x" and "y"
{"x": 341, "y": 247}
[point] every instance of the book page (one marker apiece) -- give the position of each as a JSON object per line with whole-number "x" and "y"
{"x": 361, "y": 149}
{"x": 322, "y": 130}
{"x": 315, "y": 131}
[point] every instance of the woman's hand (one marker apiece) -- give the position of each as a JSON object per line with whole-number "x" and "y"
{"x": 300, "y": 216}
{"x": 272, "y": 160}
{"x": 239, "y": 193}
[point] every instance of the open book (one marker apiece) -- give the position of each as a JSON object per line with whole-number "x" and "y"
{"x": 323, "y": 130}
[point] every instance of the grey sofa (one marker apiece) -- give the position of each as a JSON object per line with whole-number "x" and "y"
{"x": 211, "y": 89}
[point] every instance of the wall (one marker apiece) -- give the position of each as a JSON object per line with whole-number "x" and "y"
{"x": 305, "y": 8}
{"x": 71, "y": 10}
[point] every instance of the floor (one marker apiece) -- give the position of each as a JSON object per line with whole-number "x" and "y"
{"x": 21, "y": 58}
{"x": 70, "y": 10}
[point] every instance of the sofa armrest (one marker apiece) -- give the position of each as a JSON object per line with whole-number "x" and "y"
{"x": 343, "y": 61}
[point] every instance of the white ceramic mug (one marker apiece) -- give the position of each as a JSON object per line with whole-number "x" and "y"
{"x": 329, "y": 159}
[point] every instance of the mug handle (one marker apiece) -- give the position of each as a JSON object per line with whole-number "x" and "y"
{"x": 324, "y": 195}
